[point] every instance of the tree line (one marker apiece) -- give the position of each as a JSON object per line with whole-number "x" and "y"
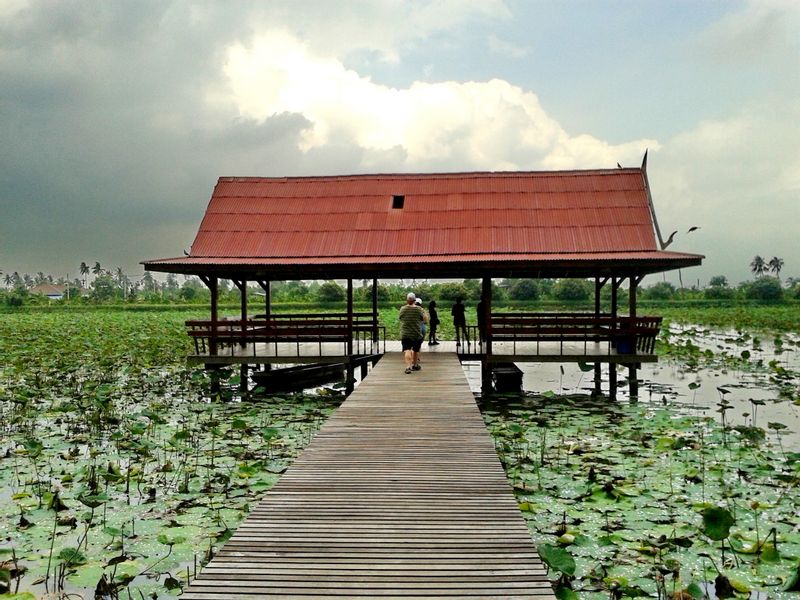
{"x": 97, "y": 285}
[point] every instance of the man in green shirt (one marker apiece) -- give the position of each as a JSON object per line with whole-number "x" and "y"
{"x": 411, "y": 318}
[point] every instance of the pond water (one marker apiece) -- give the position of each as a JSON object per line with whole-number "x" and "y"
{"x": 762, "y": 388}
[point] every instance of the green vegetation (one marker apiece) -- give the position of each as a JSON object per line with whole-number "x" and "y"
{"x": 120, "y": 470}
{"x": 629, "y": 500}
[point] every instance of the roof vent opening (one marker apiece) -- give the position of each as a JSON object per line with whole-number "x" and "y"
{"x": 397, "y": 201}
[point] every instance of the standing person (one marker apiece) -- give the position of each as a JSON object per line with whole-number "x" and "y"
{"x": 459, "y": 322}
{"x": 411, "y": 318}
{"x": 434, "y": 323}
{"x": 423, "y": 328}
{"x": 481, "y": 320}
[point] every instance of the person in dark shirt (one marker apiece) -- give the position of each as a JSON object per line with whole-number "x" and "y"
{"x": 433, "y": 324}
{"x": 459, "y": 322}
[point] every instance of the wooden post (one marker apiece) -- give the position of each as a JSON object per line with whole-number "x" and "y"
{"x": 350, "y": 317}
{"x": 374, "y": 311}
{"x": 486, "y": 297}
{"x": 597, "y": 287}
{"x": 265, "y": 285}
{"x": 242, "y": 286}
{"x": 598, "y": 379}
{"x": 633, "y": 382}
{"x": 213, "y": 286}
{"x": 612, "y": 381}
{"x": 598, "y": 367}
{"x": 612, "y": 367}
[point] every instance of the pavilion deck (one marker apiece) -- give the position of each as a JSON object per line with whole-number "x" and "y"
{"x": 517, "y": 337}
{"x": 400, "y": 494}
{"x": 332, "y": 352}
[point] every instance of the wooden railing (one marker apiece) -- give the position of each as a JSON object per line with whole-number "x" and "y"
{"x": 625, "y": 335}
{"x": 300, "y": 328}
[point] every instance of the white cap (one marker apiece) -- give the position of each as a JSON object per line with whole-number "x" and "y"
{"x": 418, "y": 301}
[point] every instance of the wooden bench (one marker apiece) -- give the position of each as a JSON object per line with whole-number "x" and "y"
{"x": 583, "y": 328}
{"x": 292, "y": 328}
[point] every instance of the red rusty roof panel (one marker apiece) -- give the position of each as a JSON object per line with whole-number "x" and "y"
{"x": 553, "y": 213}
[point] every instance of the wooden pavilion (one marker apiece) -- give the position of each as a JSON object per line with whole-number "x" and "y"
{"x": 591, "y": 224}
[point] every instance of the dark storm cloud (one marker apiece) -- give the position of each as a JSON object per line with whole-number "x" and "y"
{"x": 110, "y": 135}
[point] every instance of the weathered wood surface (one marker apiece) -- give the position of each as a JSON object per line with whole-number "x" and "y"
{"x": 400, "y": 494}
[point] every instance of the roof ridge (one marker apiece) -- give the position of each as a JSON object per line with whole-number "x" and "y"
{"x": 433, "y": 175}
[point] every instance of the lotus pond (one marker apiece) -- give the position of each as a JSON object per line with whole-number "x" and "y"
{"x": 121, "y": 472}
{"x": 689, "y": 491}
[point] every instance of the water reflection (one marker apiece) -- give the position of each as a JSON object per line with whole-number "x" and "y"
{"x": 757, "y": 392}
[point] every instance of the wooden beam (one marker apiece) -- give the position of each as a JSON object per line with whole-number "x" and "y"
{"x": 265, "y": 285}
{"x": 350, "y": 316}
{"x": 213, "y": 288}
{"x": 486, "y": 299}
{"x": 374, "y": 311}
{"x": 241, "y": 284}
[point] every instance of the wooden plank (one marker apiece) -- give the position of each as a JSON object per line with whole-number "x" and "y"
{"x": 399, "y": 495}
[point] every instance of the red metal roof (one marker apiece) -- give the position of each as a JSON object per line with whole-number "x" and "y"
{"x": 449, "y": 214}
{"x": 467, "y": 217}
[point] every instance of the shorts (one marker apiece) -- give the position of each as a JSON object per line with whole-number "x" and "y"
{"x": 409, "y": 344}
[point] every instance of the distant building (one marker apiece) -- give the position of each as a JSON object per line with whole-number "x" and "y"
{"x": 52, "y": 291}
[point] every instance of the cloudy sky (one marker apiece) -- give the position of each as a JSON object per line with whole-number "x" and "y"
{"x": 117, "y": 118}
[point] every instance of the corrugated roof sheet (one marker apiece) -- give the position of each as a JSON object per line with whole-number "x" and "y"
{"x": 443, "y": 215}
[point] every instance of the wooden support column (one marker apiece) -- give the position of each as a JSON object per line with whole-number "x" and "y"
{"x": 598, "y": 367}
{"x": 241, "y": 285}
{"x": 633, "y": 381}
{"x": 486, "y": 296}
{"x": 612, "y": 367}
{"x": 374, "y": 312}
{"x": 350, "y": 317}
{"x": 265, "y": 285}
{"x": 213, "y": 287}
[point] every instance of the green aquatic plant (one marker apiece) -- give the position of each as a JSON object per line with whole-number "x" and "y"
{"x": 118, "y": 457}
{"x": 626, "y": 489}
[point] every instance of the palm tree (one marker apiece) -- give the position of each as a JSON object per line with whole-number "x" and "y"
{"x": 97, "y": 269}
{"x": 775, "y": 265}
{"x": 122, "y": 282}
{"x": 9, "y": 280}
{"x": 84, "y": 269}
{"x": 758, "y": 266}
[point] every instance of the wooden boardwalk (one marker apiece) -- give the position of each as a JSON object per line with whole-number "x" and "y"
{"x": 400, "y": 494}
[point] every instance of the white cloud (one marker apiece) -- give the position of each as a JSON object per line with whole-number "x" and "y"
{"x": 739, "y": 179}
{"x": 764, "y": 29}
{"x": 487, "y": 125}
